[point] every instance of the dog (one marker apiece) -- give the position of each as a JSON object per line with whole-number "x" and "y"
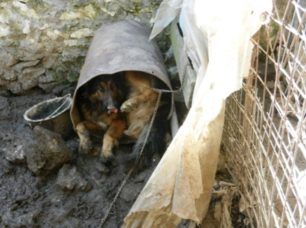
{"x": 116, "y": 106}
{"x": 139, "y": 109}
{"x": 99, "y": 103}
{"x": 140, "y": 103}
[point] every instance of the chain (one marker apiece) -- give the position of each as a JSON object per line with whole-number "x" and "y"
{"x": 123, "y": 183}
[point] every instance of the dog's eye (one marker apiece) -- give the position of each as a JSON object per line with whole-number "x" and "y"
{"x": 113, "y": 86}
{"x": 101, "y": 90}
{"x": 103, "y": 87}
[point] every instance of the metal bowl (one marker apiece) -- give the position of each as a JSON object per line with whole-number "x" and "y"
{"x": 52, "y": 114}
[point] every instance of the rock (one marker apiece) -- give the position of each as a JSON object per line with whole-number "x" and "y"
{"x": 48, "y": 153}
{"x": 63, "y": 89}
{"x": 85, "y": 32}
{"x": 11, "y": 219}
{"x": 23, "y": 65}
{"x": 57, "y": 40}
{"x": 2, "y": 83}
{"x": 58, "y": 90}
{"x": 4, "y": 92}
{"x": 103, "y": 169}
{"x": 5, "y": 109}
{"x": 142, "y": 176}
{"x": 48, "y": 87}
{"x": 73, "y": 145}
{"x": 49, "y": 61}
{"x": 130, "y": 192}
{"x": 16, "y": 155}
{"x": 7, "y": 167}
{"x": 4, "y": 31}
{"x": 8, "y": 59}
{"x": 46, "y": 78}
{"x": 29, "y": 77}
{"x": 15, "y": 87}
{"x": 9, "y": 75}
{"x": 69, "y": 179}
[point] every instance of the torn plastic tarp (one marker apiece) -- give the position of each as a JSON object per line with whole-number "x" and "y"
{"x": 181, "y": 185}
{"x": 166, "y": 13}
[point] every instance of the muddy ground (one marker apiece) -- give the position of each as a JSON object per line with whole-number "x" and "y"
{"x": 73, "y": 190}
{"x": 76, "y": 195}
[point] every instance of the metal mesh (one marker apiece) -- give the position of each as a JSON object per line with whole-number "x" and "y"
{"x": 265, "y": 127}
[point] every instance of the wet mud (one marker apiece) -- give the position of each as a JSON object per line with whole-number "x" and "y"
{"x": 74, "y": 192}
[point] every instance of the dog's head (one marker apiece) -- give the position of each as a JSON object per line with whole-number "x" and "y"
{"x": 105, "y": 94}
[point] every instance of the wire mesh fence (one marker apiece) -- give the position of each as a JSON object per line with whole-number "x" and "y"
{"x": 265, "y": 128}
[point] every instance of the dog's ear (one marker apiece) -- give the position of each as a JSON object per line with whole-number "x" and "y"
{"x": 81, "y": 92}
{"x": 85, "y": 90}
{"x": 119, "y": 81}
{"x": 117, "y": 78}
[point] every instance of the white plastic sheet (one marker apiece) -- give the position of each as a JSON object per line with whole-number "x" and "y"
{"x": 180, "y": 187}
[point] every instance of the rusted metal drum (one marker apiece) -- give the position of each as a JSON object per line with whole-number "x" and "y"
{"x": 117, "y": 47}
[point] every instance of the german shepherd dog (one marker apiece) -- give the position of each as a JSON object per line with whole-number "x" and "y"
{"x": 140, "y": 102}
{"x": 98, "y": 102}
{"x": 122, "y": 104}
{"x": 139, "y": 108}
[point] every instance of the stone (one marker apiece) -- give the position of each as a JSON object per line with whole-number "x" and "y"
{"x": 4, "y": 92}
{"x": 9, "y": 75}
{"x": 5, "y": 109}
{"x": 8, "y": 59}
{"x": 15, "y": 155}
{"x": 4, "y": 31}
{"x": 70, "y": 179}
{"x": 15, "y": 87}
{"x": 32, "y": 57}
{"x": 130, "y": 192}
{"x": 2, "y": 83}
{"x": 59, "y": 89}
{"x": 49, "y": 61}
{"x": 48, "y": 153}
{"x": 85, "y": 32}
{"x": 46, "y": 78}
{"x": 57, "y": 40}
{"x": 48, "y": 87}
{"x": 29, "y": 77}
{"x": 10, "y": 219}
{"x": 23, "y": 65}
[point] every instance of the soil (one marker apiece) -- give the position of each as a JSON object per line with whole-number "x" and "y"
{"x": 77, "y": 194}
{"x": 40, "y": 188}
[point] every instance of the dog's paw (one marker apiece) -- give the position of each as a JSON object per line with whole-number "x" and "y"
{"x": 107, "y": 155}
{"x": 108, "y": 160}
{"x": 133, "y": 131}
{"x": 102, "y": 167}
{"x": 128, "y": 105}
{"x": 85, "y": 147}
{"x": 127, "y": 133}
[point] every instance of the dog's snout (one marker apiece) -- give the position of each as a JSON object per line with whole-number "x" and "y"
{"x": 111, "y": 106}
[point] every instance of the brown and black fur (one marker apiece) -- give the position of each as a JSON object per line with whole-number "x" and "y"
{"x": 99, "y": 102}
{"x": 140, "y": 103}
{"x": 139, "y": 108}
{"x": 122, "y": 104}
